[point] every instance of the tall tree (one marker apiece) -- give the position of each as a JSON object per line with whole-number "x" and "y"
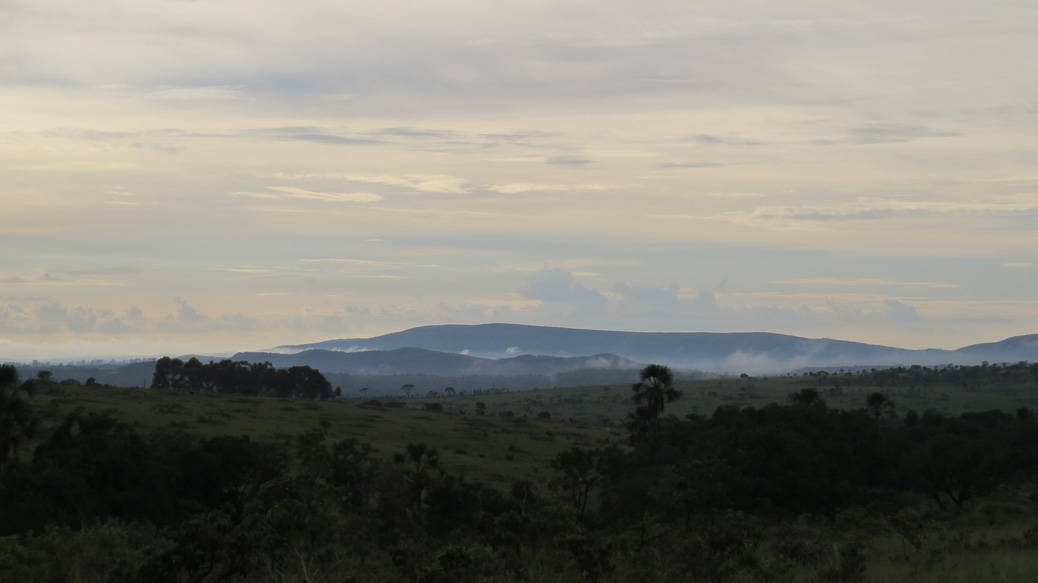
{"x": 655, "y": 390}
{"x": 880, "y": 406}
{"x": 577, "y": 473}
{"x": 18, "y": 421}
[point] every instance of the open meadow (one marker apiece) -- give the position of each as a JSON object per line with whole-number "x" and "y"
{"x": 609, "y": 405}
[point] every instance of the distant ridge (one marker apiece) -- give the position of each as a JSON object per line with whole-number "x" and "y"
{"x": 521, "y": 357}
{"x": 423, "y": 361}
{"x": 758, "y": 352}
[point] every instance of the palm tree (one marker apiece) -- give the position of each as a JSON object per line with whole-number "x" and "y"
{"x": 17, "y": 420}
{"x": 655, "y": 390}
{"x": 880, "y": 405}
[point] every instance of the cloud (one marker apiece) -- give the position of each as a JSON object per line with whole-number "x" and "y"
{"x": 409, "y": 132}
{"x": 63, "y": 278}
{"x": 520, "y": 187}
{"x": 878, "y": 209}
{"x": 45, "y": 316}
{"x": 294, "y": 192}
{"x": 893, "y": 133}
{"x": 313, "y": 134}
{"x": 200, "y": 93}
{"x": 244, "y": 270}
{"x": 568, "y": 161}
{"x": 900, "y": 313}
{"x": 344, "y": 260}
{"x": 691, "y": 164}
{"x": 439, "y": 183}
{"x": 865, "y": 282}
{"x": 659, "y": 297}
{"x": 51, "y": 311}
{"x": 559, "y": 286}
{"x": 187, "y": 314}
{"x": 714, "y": 140}
{"x": 1018, "y": 264}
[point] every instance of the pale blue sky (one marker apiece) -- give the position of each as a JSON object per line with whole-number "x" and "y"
{"x": 181, "y": 176}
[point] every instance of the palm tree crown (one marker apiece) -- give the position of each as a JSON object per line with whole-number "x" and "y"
{"x": 655, "y": 389}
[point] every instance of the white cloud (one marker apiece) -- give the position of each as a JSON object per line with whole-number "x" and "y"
{"x": 439, "y": 183}
{"x": 557, "y": 285}
{"x": 294, "y": 192}
{"x": 521, "y": 187}
{"x": 204, "y": 93}
{"x": 879, "y": 209}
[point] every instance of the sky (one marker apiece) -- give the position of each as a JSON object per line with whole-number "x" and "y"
{"x": 218, "y": 175}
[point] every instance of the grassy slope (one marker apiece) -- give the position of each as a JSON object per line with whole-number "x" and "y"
{"x": 487, "y": 448}
{"x": 491, "y": 447}
{"x": 608, "y": 405}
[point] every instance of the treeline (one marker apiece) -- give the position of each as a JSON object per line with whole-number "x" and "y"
{"x": 986, "y": 375}
{"x": 226, "y": 376}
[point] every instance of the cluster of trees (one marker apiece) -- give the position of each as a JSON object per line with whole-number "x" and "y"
{"x": 227, "y": 376}
{"x": 18, "y": 422}
{"x": 986, "y": 375}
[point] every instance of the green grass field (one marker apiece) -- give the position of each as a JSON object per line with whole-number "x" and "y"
{"x": 506, "y": 443}
{"x": 605, "y": 406}
{"x": 485, "y": 448}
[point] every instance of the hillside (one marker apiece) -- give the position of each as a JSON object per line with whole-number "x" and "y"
{"x": 424, "y": 361}
{"x": 755, "y": 352}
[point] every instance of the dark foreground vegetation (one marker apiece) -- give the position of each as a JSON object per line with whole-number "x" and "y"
{"x": 783, "y": 492}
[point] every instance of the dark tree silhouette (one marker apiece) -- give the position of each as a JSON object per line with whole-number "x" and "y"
{"x": 880, "y": 406}
{"x": 18, "y": 422}
{"x": 577, "y": 472}
{"x": 655, "y": 390}
{"x": 807, "y": 398}
{"x": 422, "y": 461}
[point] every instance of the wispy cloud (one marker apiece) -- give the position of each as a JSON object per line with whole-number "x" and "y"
{"x": 440, "y": 183}
{"x": 876, "y": 209}
{"x": 313, "y": 134}
{"x": 715, "y": 140}
{"x": 886, "y": 134}
{"x": 412, "y": 132}
{"x": 864, "y": 282}
{"x": 520, "y": 187}
{"x": 200, "y": 93}
{"x": 691, "y": 164}
{"x": 294, "y": 192}
{"x": 351, "y": 261}
{"x": 559, "y": 286}
{"x": 568, "y": 161}
{"x": 245, "y": 270}
{"x": 59, "y": 280}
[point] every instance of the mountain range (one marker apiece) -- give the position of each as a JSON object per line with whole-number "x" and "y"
{"x": 521, "y": 357}
{"x": 757, "y": 352}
